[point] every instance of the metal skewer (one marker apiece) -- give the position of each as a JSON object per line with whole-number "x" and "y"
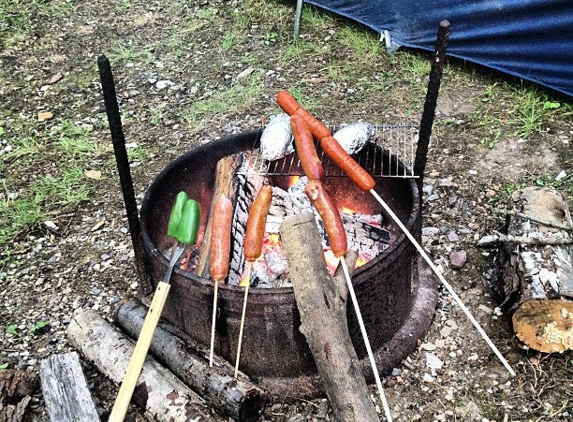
{"x": 447, "y": 285}
{"x": 366, "y": 341}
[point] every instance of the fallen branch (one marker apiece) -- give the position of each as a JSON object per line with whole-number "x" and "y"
{"x": 533, "y": 238}
{"x": 542, "y": 221}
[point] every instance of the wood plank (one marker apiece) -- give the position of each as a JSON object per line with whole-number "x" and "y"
{"x": 65, "y": 389}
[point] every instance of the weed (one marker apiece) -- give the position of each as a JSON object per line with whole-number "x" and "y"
{"x": 229, "y": 41}
{"x": 123, "y": 53}
{"x": 38, "y": 327}
{"x": 12, "y": 330}
{"x": 271, "y": 38}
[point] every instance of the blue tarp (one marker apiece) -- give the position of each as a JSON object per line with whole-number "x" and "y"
{"x": 530, "y": 39}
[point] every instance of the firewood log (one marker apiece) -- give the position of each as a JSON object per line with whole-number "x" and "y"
{"x": 162, "y": 396}
{"x": 238, "y": 398}
{"x": 532, "y": 280}
{"x": 65, "y": 389}
{"x": 322, "y": 302}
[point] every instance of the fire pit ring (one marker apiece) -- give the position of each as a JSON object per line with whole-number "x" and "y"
{"x": 396, "y": 292}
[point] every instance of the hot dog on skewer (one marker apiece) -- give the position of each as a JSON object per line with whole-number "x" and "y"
{"x": 304, "y": 143}
{"x": 290, "y": 106}
{"x": 221, "y": 238}
{"x": 256, "y": 222}
{"x": 349, "y": 166}
{"x": 327, "y": 210}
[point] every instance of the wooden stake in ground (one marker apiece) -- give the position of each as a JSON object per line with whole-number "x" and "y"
{"x": 534, "y": 280}
{"x": 322, "y": 302}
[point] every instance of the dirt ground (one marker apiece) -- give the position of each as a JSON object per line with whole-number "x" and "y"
{"x": 190, "y": 73}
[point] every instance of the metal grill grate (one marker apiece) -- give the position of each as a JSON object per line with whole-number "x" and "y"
{"x": 379, "y": 156}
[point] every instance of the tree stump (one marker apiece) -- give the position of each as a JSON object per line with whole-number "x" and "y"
{"x": 533, "y": 275}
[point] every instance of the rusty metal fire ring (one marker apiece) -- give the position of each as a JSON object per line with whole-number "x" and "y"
{"x": 396, "y": 292}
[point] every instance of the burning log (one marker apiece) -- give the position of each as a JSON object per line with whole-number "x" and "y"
{"x": 322, "y": 303}
{"x": 532, "y": 280}
{"x": 159, "y": 393}
{"x": 238, "y": 398}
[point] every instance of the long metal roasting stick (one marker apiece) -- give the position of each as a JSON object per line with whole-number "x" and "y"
{"x": 447, "y": 285}
{"x": 243, "y": 314}
{"x": 366, "y": 341}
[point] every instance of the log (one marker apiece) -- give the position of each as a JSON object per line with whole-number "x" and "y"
{"x": 224, "y": 185}
{"x": 16, "y": 388}
{"x": 322, "y": 302}
{"x": 237, "y": 398}
{"x": 159, "y": 393}
{"x": 533, "y": 280}
{"x": 65, "y": 389}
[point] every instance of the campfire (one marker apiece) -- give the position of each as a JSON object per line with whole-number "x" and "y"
{"x": 368, "y": 232}
{"x": 387, "y": 283}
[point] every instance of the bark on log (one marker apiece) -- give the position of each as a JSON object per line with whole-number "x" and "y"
{"x": 16, "y": 388}
{"x": 238, "y": 398}
{"x": 224, "y": 185}
{"x": 65, "y": 389}
{"x": 322, "y": 303}
{"x": 162, "y": 396}
{"x": 534, "y": 281}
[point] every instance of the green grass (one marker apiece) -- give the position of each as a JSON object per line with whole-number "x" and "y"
{"x": 120, "y": 52}
{"x": 48, "y": 191}
{"x": 237, "y": 98}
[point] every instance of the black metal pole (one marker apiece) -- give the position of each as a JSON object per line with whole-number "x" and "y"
{"x": 427, "y": 121}
{"x": 118, "y": 139}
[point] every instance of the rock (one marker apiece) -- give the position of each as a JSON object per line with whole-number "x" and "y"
{"x": 45, "y": 115}
{"x": 163, "y": 84}
{"x": 458, "y": 259}
{"x": 434, "y": 362}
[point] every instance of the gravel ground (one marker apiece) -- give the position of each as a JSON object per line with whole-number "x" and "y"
{"x": 169, "y": 59}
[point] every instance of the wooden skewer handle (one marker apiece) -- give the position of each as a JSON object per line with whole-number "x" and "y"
{"x": 139, "y": 353}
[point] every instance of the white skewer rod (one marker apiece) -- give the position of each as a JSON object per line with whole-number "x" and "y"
{"x": 444, "y": 282}
{"x": 366, "y": 341}
{"x": 213, "y": 320}
{"x": 243, "y": 319}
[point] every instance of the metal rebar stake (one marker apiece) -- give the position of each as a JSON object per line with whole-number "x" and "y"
{"x": 120, "y": 152}
{"x": 427, "y": 121}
